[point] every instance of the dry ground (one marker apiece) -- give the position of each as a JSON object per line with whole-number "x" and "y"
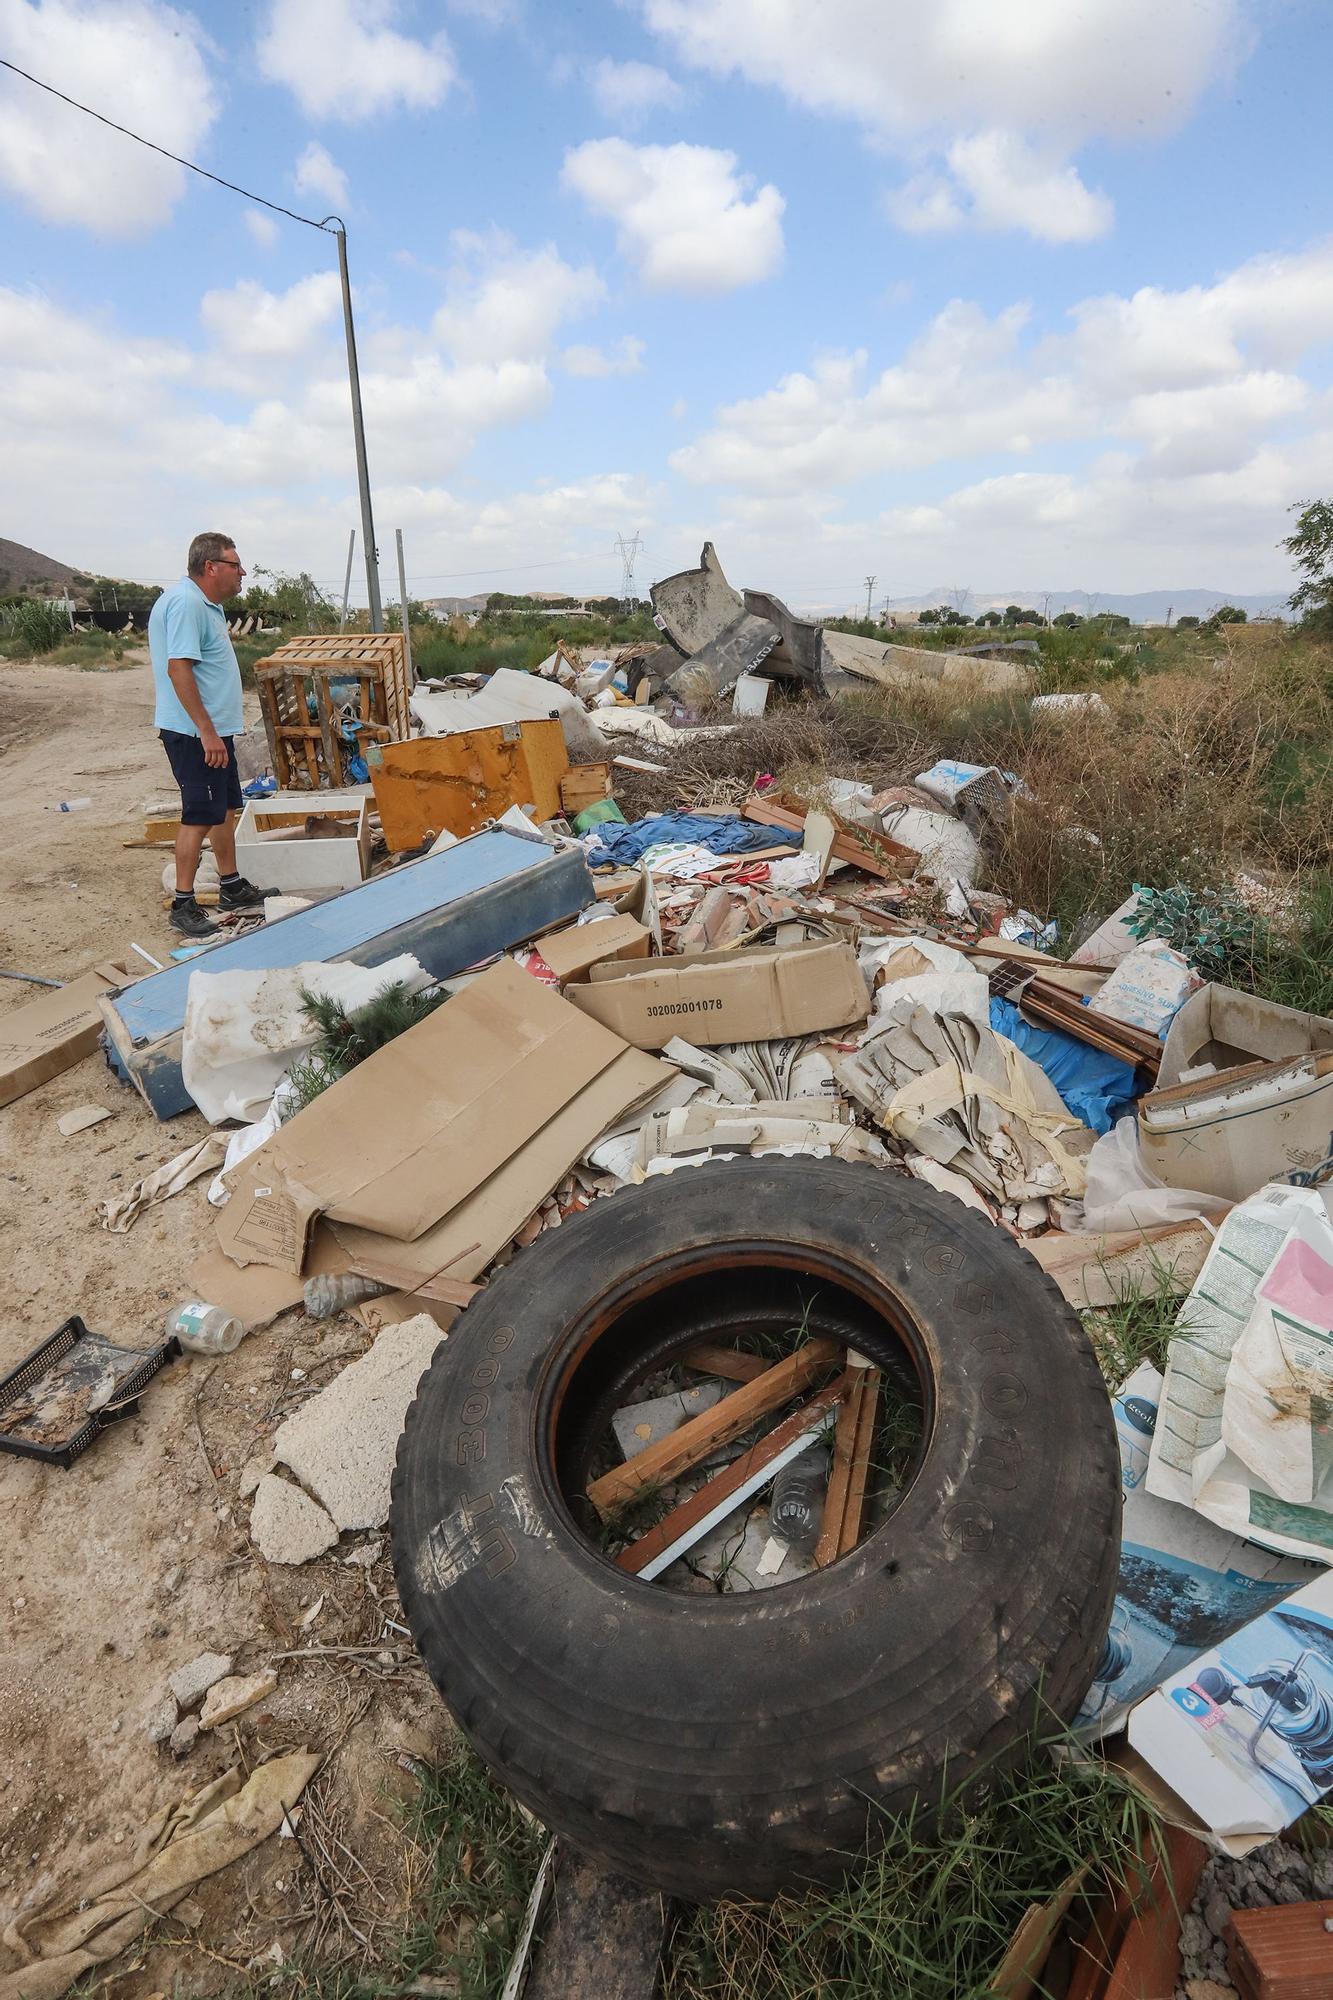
{"x": 114, "y": 1573}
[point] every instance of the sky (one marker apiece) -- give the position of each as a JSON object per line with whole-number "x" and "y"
{"x": 999, "y": 297}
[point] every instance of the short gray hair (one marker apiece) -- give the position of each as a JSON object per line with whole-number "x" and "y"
{"x": 207, "y": 548}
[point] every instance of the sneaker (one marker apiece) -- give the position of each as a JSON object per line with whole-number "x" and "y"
{"x": 190, "y": 920}
{"x": 241, "y": 895}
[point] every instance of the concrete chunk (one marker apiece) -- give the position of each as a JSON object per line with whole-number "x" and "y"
{"x": 341, "y": 1445}
{"x": 161, "y": 1719}
{"x": 233, "y": 1696}
{"x": 287, "y": 1524}
{"x": 191, "y": 1683}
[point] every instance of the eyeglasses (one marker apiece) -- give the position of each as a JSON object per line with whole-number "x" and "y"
{"x": 228, "y": 562}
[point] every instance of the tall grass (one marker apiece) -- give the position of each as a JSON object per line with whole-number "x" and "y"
{"x": 33, "y": 627}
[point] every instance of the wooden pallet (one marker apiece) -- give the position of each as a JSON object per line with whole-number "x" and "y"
{"x": 306, "y": 748}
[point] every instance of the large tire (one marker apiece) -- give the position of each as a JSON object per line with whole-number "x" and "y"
{"x": 709, "y": 1744}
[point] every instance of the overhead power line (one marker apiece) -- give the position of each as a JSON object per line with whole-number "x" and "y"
{"x": 153, "y": 147}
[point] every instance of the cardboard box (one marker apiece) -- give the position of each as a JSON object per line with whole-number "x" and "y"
{"x": 570, "y": 953}
{"x": 50, "y": 1034}
{"x": 420, "y": 1131}
{"x": 728, "y": 996}
{"x": 1221, "y": 1026}
{"x": 273, "y": 848}
{"x": 1227, "y": 1135}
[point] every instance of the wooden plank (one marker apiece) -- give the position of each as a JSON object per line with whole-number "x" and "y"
{"x": 873, "y": 852}
{"x": 728, "y": 1362}
{"x": 673, "y": 1525}
{"x": 704, "y": 1433}
{"x": 328, "y": 733}
{"x": 840, "y": 1474}
{"x": 867, "y": 1411}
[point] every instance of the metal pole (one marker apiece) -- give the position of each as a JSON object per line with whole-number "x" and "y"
{"x": 359, "y": 433}
{"x": 402, "y": 609}
{"x": 347, "y": 579}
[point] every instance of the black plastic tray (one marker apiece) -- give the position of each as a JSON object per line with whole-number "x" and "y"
{"x": 44, "y": 1358}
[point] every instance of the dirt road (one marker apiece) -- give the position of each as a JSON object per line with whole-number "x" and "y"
{"x": 137, "y": 1559}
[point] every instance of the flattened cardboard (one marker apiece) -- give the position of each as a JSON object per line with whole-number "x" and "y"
{"x": 52, "y": 1033}
{"x": 570, "y": 953}
{"x": 463, "y": 1243}
{"x": 728, "y": 996}
{"x": 270, "y": 1215}
{"x": 256, "y": 1293}
{"x": 403, "y": 1138}
{"x": 1227, "y": 1135}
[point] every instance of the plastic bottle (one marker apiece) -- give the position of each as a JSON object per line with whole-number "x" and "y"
{"x": 204, "y": 1329}
{"x": 797, "y": 1506}
{"x": 69, "y": 805}
{"x": 332, "y": 1292}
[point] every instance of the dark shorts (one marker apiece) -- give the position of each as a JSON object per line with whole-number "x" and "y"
{"x": 208, "y": 794}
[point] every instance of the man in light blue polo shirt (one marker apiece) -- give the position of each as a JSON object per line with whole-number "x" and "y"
{"x": 198, "y": 714}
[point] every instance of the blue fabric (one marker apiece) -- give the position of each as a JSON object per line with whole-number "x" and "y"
{"x": 623, "y": 845}
{"x": 183, "y": 625}
{"x": 1096, "y": 1087}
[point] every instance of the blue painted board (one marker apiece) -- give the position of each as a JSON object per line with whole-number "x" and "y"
{"x": 450, "y": 910}
{"x": 371, "y": 912}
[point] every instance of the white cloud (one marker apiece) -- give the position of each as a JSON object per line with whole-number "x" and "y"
{"x": 625, "y": 358}
{"x": 627, "y": 91}
{"x": 317, "y": 173}
{"x": 1106, "y": 67}
{"x": 262, "y": 228}
{"x": 246, "y": 320}
{"x": 996, "y": 180}
{"x": 345, "y": 59}
{"x": 1057, "y": 75}
{"x": 504, "y": 303}
{"x": 684, "y": 216}
{"x": 924, "y": 204}
{"x": 143, "y": 65}
{"x": 1193, "y": 378}
{"x": 1012, "y": 186}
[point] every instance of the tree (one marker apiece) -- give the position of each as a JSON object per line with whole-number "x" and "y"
{"x": 1311, "y": 549}
{"x": 928, "y": 618}
{"x": 989, "y": 618}
{"x": 1229, "y": 614}
{"x": 1069, "y": 619}
{"x": 952, "y": 617}
{"x": 1187, "y": 624}
{"x": 1012, "y": 614}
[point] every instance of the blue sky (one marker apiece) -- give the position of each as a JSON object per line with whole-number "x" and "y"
{"x": 1020, "y": 297}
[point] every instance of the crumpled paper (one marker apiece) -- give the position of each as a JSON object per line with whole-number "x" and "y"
{"x": 966, "y": 1097}
{"x": 177, "y": 1848}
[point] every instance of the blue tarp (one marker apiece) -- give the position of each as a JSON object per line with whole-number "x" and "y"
{"x": 1096, "y": 1087}
{"x": 623, "y": 845}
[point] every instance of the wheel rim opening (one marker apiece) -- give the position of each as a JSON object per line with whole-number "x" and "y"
{"x": 835, "y": 1403}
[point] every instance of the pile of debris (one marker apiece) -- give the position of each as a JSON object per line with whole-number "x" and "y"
{"x": 484, "y": 1003}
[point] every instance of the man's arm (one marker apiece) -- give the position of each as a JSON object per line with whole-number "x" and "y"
{"x": 181, "y": 675}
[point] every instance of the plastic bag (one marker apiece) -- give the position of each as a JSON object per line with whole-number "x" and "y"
{"x": 1122, "y": 1193}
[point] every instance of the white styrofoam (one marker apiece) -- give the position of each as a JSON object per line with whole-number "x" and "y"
{"x": 295, "y": 865}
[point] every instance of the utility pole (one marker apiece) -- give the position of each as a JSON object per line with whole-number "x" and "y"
{"x": 347, "y": 579}
{"x": 870, "y": 585}
{"x": 628, "y": 552}
{"x": 359, "y": 434}
{"x": 402, "y": 609}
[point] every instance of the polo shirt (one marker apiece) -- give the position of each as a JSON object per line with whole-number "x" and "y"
{"x": 184, "y": 625}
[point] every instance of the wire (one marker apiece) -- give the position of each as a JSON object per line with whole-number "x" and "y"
{"x": 153, "y": 147}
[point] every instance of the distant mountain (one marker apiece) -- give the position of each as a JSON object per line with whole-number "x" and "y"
{"x": 26, "y": 569}
{"x": 1143, "y": 607}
